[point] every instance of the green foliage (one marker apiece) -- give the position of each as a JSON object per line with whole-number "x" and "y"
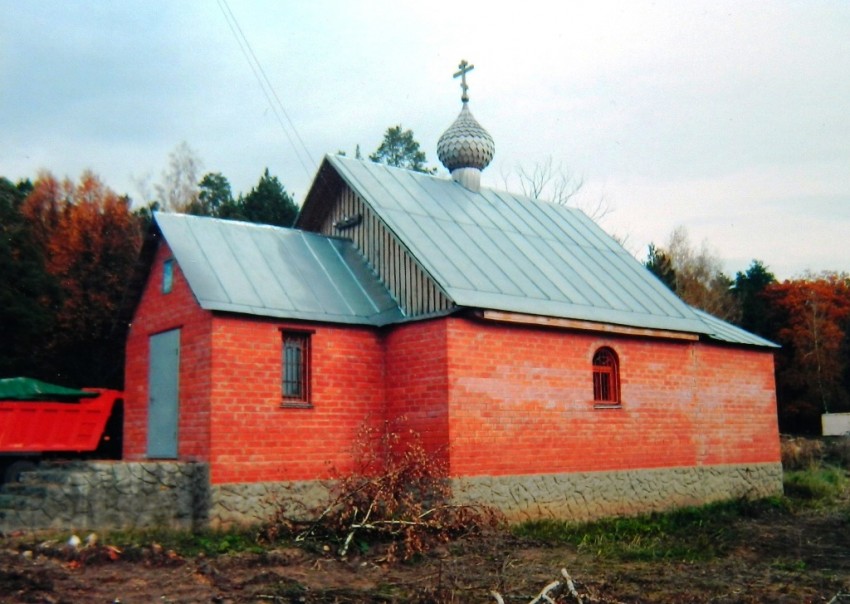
{"x": 660, "y": 265}
{"x": 186, "y": 543}
{"x": 27, "y": 291}
{"x": 267, "y": 203}
{"x": 401, "y": 150}
{"x": 749, "y": 291}
{"x": 213, "y": 194}
{"x": 688, "y": 534}
{"x": 817, "y": 485}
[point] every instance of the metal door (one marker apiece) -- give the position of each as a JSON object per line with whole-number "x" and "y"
{"x": 163, "y": 389}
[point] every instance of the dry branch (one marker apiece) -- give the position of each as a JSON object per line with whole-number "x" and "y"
{"x": 552, "y": 590}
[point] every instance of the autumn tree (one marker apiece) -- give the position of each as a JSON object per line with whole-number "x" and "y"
{"x": 91, "y": 242}
{"x": 812, "y": 319}
{"x": 697, "y": 275}
{"x": 401, "y": 150}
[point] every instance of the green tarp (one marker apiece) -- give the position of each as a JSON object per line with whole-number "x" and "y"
{"x": 27, "y": 389}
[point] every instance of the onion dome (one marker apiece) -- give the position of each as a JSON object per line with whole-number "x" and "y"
{"x": 465, "y": 144}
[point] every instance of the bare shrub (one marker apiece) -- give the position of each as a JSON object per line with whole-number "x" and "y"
{"x": 801, "y": 453}
{"x": 397, "y": 493}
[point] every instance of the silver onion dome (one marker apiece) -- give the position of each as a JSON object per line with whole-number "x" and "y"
{"x": 465, "y": 144}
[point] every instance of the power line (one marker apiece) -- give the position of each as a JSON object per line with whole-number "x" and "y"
{"x": 268, "y": 90}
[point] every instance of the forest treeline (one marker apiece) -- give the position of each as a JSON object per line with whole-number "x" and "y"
{"x": 68, "y": 251}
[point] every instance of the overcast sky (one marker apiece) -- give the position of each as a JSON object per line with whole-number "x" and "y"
{"x": 729, "y": 118}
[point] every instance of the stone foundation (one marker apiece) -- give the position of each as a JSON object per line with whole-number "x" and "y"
{"x": 79, "y": 496}
{"x": 103, "y": 495}
{"x": 585, "y": 496}
{"x": 253, "y": 503}
{"x": 578, "y": 496}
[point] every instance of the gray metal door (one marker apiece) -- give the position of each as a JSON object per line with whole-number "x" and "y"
{"x": 163, "y": 388}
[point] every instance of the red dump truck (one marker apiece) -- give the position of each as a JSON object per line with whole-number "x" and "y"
{"x": 39, "y": 420}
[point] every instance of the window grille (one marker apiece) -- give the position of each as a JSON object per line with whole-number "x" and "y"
{"x": 606, "y": 378}
{"x": 296, "y": 365}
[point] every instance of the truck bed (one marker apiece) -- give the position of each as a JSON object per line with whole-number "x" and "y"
{"x": 44, "y": 426}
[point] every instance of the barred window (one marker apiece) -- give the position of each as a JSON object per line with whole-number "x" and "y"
{"x": 296, "y": 367}
{"x": 606, "y": 377}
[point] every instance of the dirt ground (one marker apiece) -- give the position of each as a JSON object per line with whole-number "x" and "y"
{"x": 803, "y": 557}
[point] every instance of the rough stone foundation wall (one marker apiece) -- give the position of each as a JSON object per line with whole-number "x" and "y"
{"x": 244, "y": 504}
{"x": 107, "y": 495}
{"x": 574, "y": 496}
{"x": 590, "y": 495}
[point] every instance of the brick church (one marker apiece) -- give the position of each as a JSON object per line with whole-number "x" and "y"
{"x": 550, "y": 370}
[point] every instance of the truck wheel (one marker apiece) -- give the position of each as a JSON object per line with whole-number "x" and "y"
{"x": 13, "y": 472}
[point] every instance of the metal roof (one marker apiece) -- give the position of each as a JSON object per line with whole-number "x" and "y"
{"x": 726, "y": 332}
{"x": 275, "y": 272}
{"x": 501, "y": 251}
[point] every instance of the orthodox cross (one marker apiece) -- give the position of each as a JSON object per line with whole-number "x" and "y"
{"x": 463, "y": 69}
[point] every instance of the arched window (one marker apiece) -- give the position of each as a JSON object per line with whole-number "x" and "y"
{"x": 606, "y": 377}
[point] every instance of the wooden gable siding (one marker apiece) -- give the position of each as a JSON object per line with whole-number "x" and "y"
{"x": 415, "y": 291}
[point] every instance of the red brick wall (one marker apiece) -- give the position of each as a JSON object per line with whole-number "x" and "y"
{"x": 737, "y": 417}
{"x": 521, "y": 402}
{"x": 510, "y": 399}
{"x": 417, "y": 386}
{"x": 158, "y": 312}
{"x": 255, "y": 438}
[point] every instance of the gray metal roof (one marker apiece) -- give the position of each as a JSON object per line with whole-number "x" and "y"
{"x": 502, "y": 251}
{"x": 726, "y": 332}
{"x": 275, "y": 272}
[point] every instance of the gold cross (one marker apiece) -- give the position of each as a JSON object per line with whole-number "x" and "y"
{"x": 463, "y": 68}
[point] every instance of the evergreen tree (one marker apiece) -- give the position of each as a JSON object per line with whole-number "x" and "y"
{"x": 660, "y": 265}
{"x": 401, "y": 150}
{"x": 28, "y": 293}
{"x": 749, "y": 290}
{"x": 267, "y": 203}
{"x": 213, "y": 194}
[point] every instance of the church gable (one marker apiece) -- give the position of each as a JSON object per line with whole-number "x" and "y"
{"x": 334, "y": 209}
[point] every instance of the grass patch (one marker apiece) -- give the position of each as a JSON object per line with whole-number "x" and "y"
{"x": 816, "y": 485}
{"x": 186, "y": 543}
{"x": 687, "y": 534}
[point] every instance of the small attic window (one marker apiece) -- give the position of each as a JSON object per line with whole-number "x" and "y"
{"x": 167, "y": 276}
